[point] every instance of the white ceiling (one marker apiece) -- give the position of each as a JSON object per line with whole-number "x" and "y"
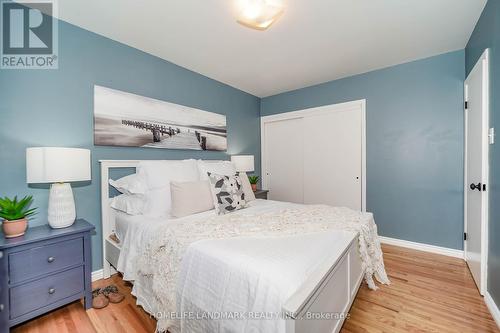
{"x": 314, "y": 41}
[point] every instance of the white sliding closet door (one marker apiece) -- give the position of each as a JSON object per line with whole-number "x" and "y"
{"x": 333, "y": 158}
{"x": 316, "y": 156}
{"x": 283, "y": 158}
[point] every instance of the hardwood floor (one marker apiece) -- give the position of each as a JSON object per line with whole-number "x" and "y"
{"x": 115, "y": 318}
{"x": 429, "y": 293}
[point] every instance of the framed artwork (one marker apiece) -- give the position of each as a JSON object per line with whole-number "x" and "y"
{"x": 125, "y": 119}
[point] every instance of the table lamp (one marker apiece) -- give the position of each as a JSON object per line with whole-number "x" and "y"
{"x": 58, "y": 166}
{"x": 243, "y": 163}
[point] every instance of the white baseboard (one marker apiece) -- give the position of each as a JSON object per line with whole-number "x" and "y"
{"x": 423, "y": 247}
{"x": 97, "y": 275}
{"x": 492, "y": 306}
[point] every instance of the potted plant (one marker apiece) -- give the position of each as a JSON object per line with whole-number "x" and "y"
{"x": 15, "y": 214}
{"x": 253, "y": 181}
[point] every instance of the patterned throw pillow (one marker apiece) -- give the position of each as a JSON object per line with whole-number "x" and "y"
{"x": 227, "y": 192}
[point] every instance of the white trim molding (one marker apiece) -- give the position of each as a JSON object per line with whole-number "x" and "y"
{"x": 97, "y": 275}
{"x": 423, "y": 247}
{"x": 492, "y": 306}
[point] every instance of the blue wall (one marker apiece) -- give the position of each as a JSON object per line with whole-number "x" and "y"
{"x": 414, "y": 127}
{"x": 487, "y": 35}
{"x": 55, "y": 108}
{"x": 414, "y": 143}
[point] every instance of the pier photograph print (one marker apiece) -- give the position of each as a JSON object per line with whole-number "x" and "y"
{"x": 126, "y": 119}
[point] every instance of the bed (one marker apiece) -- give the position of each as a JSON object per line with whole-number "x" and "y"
{"x": 271, "y": 281}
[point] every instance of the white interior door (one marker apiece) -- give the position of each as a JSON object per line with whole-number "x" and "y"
{"x": 333, "y": 158}
{"x": 284, "y": 168}
{"x": 476, "y": 171}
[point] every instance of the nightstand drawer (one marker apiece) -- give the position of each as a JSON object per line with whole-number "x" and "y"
{"x": 45, "y": 259}
{"x": 43, "y": 270}
{"x": 34, "y": 295}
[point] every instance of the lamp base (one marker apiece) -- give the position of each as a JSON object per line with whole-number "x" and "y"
{"x": 62, "y": 212}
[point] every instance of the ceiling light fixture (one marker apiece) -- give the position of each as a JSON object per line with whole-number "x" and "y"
{"x": 259, "y": 14}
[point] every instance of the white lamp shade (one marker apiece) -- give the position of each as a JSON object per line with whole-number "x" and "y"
{"x": 243, "y": 163}
{"x": 57, "y": 165}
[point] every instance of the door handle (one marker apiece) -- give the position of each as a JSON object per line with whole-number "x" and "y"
{"x": 476, "y": 187}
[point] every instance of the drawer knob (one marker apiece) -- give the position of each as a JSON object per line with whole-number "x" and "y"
{"x": 1, "y": 254}
{"x": 51, "y": 291}
{"x": 1, "y": 307}
{"x": 51, "y": 259}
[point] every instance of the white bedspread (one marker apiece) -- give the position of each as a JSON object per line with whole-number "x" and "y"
{"x": 142, "y": 228}
{"x": 221, "y": 272}
{"x": 239, "y": 281}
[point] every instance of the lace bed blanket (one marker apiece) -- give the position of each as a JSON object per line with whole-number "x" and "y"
{"x": 161, "y": 258}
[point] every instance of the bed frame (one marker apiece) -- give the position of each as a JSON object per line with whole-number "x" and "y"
{"x": 315, "y": 307}
{"x": 110, "y": 248}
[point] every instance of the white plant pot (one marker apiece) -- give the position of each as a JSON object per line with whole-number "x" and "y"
{"x": 62, "y": 212}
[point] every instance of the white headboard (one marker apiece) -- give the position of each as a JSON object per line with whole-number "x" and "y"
{"x": 110, "y": 249}
{"x": 107, "y": 214}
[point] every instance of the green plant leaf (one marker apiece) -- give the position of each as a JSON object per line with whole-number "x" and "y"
{"x": 253, "y": 179}
{"x": 14, "y": 209}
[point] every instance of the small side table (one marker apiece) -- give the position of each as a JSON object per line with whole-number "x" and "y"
{"x": 43, "y": 270}
{"x": 261, "y": 194}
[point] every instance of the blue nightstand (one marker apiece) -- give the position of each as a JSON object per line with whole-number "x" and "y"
{"x": 43, "y": 270}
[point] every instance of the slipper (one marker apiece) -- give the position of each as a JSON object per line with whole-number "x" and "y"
{"x": 99, "y": 300}
{"x": 112, "y": 293}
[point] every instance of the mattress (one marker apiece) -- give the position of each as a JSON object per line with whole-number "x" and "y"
{"x": 122, "y": 223}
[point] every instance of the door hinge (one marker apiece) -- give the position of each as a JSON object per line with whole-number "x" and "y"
{"x": 465, "y": 236}
{"x": 466, "y": 105}
{"x": 484, "y": 187}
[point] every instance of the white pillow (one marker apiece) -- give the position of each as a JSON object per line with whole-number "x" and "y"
{"x": 132, "y": 204}
{"x": 158, "y": 202}
{"x": 131, "y": 184}
{"x": 157, "y": 174}
{"x": 224, "y": 168}
{"x": 191, "y": 197}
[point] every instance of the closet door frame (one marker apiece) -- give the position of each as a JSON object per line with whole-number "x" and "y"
{"x": 353, "y": 105}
